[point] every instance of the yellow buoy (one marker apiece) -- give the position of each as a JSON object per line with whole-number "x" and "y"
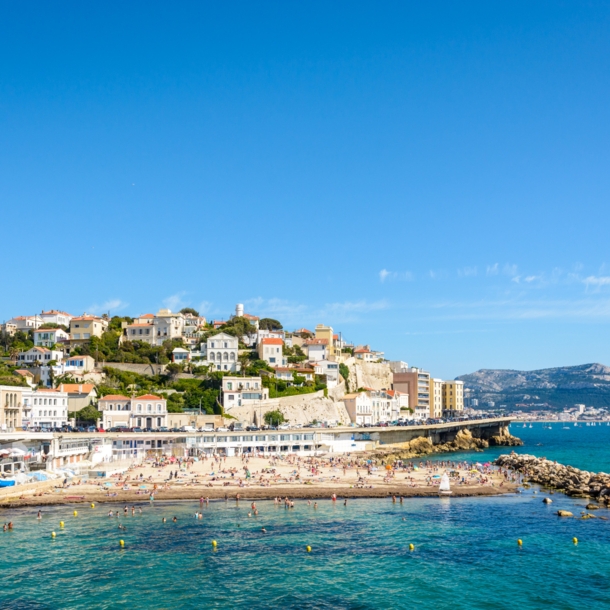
{"x": 122, "y": 542}
{"x": 214, "y": 543}
{"x": 75, "y": 513}
{"x": 520, "y": 542}
{"x": 308, "y": 548}
{"x": 53, "y": 534}
{"x": 575, "y": 540}
{"x": 92, "y": 505}
{"x": 61, "y": 524}
{"x": 411, "y": 547}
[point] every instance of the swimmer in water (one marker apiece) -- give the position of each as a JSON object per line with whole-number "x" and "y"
{"x": 175, "y": 519}
{"x": 39, "y": 515}
{"x": 315, "y": 505}
{"x": 164, "y": 520}
{"x": 263, "y": 530}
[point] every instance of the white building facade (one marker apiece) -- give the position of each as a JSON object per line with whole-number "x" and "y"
{"x": 220, "y": 351}
{"x": 148, "y": 411}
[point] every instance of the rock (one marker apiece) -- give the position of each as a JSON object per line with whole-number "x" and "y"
{"x": 548, "y": 501}
{"x": 592, "y": 507}
{"x": 564, "y": 513}
{"x": 588, "y": 516}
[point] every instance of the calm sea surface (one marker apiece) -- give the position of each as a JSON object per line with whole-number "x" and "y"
{"x": 465, "y": 555}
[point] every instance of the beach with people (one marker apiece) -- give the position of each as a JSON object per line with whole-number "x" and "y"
{"x": 263, "y": 477}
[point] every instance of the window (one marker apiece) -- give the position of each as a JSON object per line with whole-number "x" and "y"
{"x": 229, "y": 385}
{"x": 86, "y": 335}
{"x": 139, "y": 409}
{"x": 149, "y": 408}
{"x": 158, "y": 408}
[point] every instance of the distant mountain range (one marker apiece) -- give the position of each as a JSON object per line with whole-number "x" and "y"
{"x": 558, "y": 388}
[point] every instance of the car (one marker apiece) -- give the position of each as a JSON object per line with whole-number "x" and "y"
{"x": 252, "y": 428}
{"x": 91, "y": 429}
{"x": 135, "y": 429}
{"x": 163, "y": 429}
{"x": 222, "y": 429}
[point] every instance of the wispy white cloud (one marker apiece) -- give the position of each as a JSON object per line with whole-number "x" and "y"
{"x": 467, "y": 272}
{"x": 110, "y": 306}
{"x": 299, "y": 314}
{"x": 403, "y": 276}
{"x": 205, "y": 308}
{"x": 596, "y": 282}
{"x": 493, "y": 269}
{"x": 438, "y": 275}
{"x": 175, "y": 301}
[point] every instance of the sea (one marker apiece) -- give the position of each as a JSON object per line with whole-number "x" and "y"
{"x": 464, "y": 552}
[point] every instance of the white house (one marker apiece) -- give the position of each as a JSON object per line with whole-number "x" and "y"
{"x": 317, "y": 349}
{"x": 364, "y": 353}
{"x": 47, "y": 337}
{"x": 221, "y": 352}
{"x": 359, "y": 407}
{"x": 76, "y": 366}
{"x": 39, "y": 355}
{"x": 54, "y": 316}
{"x": 25, "y": 323}
{"x": 330, "y": 369}
{"x": 147, "y": 411}
{"x": 180, "y": 355}
{"x": 271, "y": 351}
{"x": 45, "y": 408}
{"x": 242, "y": 391}
{"x": 284, "y": 373}
{"x": 167, "y": 325}
{"x": 139, "y": 331}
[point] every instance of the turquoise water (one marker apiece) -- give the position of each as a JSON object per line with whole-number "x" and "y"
{"x": 465, "y": 556}
{"x": 585, "y": 447}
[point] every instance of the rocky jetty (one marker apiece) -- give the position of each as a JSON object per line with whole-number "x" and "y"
{"x": 422, "y": 446}
{"x": 570, "y": 480}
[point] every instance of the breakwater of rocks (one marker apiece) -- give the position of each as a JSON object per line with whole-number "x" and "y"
{"x": 567, "y": 479}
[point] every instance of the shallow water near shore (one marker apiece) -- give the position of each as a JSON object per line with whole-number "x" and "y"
{"x": 465, "y": 556}
{"x": 584, "y": 447}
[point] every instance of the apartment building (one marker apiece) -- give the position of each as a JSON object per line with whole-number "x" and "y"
{"x": 453, "y": 397}
{"x": 416, "y": 383}
{"x": 436, "y": 398}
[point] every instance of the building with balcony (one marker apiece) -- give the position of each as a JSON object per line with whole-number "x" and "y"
{"x": 242, "y": 391}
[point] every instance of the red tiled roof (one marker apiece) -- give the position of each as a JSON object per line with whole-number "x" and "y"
{"x": 24, "y": 372}
{"x": 76, "y": 388}
{"x": 114, "y": 397}
{"x": 56, "y": 311}
{"x": 249, "y": 317}
{"x": 272, "y": 341}
{"x": 148, "y": 397}
{"x": 301, "y": 331}
{"x": 147, "y": 315}
{"x": 362, "y": 350}
{"x": 316, "y": 342}
{"x": 141, "y": 325}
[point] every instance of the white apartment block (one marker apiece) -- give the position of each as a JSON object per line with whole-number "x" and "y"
{"x": 330, "y": 369}
{"x": 45, "y": 408}
{"x": 47, "y": 337}
{"x": 39, "y": 356}
{"x": 53, "y": 316}
{"x": 147, "y": 411}
{"x": 221, "y": 352}
{"x": 359, "y": 408}
{"x": 242, "y": 391}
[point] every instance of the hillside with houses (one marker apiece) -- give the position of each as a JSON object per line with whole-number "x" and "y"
{"x": 245, "y": 368}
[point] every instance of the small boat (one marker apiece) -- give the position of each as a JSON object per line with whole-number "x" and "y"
{"x": 444, "y": 488}
{"x": 566, "y": 427}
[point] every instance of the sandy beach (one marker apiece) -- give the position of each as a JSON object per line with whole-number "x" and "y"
{"x": 262, "y": 478}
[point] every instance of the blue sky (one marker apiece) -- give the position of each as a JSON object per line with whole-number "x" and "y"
{"x": 431, "y": 180}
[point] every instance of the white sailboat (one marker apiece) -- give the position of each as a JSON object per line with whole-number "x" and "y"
{"x": 444, "y": 488}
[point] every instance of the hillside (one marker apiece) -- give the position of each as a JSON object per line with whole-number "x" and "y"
{"x": 558, "y": 387}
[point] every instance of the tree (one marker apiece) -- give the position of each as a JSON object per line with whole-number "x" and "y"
{"x": 89, "y": 414}
{"x": 274, "y": 418}
{"x": 269, "y": 324}
{"x": 190, "y": 310}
